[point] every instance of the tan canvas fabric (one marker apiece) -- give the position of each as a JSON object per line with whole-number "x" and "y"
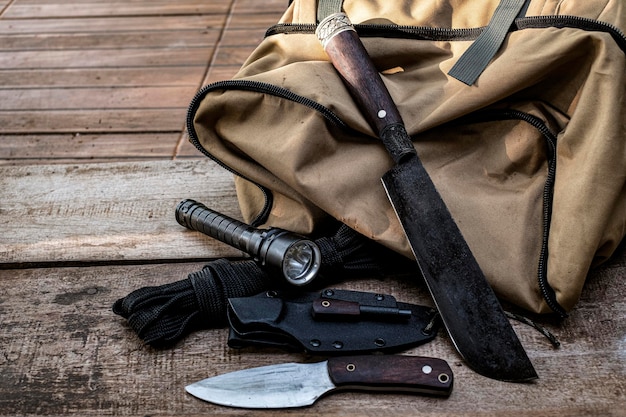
{"x": 492, "y": 174}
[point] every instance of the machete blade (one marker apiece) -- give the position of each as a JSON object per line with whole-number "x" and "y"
{"x": 469, "y": 308}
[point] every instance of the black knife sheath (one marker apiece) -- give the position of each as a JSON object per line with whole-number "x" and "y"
{"x": 287, "y": 320}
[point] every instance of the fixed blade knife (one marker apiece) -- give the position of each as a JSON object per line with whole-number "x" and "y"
{"x": 301, "y": 384}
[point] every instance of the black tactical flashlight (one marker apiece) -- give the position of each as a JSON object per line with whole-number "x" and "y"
{"x": 298, "y": 258}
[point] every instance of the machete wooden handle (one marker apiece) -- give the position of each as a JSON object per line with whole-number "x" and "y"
{"x": 352, "y": 62}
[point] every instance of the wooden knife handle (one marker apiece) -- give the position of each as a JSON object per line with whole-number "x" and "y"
{"x": 351, "y": 60}
{"x": 392, "y": 373}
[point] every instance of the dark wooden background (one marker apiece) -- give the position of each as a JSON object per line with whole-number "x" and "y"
{"x": 93, "y": 160}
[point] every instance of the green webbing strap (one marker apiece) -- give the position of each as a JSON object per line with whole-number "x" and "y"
{"x": 327, "y": 7}
{"x": 474, "y": 61}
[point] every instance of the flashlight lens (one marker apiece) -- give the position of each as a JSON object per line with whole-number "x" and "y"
{"x": 300, "y": 262}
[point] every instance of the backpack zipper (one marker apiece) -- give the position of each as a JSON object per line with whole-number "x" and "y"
{"x": 576, "y": 22}
{"x": 550, "y": 138}
{"x": 448, "y": 34}
{"x": 480, "y": 116}
{"x": 257, "y": 87}
{"x": 389, "y": 31}
{"x": 384, "y": 31}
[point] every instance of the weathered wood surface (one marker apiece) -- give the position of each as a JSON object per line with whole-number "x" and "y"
{"x": 63, "y": 352}
{"x": 111, "y": 212}
{"x": 56, "y": 148}
{"x": 99, "y": 68}
{"x": 47, "y": 9}
{"x": 93, "y": 160}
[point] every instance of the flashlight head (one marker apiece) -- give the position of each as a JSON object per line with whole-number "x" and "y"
{"x": 301, "y": 262}
{"x": 299, "y": 259}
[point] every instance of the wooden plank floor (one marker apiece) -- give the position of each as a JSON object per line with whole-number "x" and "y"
{"x": 94, "y": 158}
{"x": 100, "y": 81}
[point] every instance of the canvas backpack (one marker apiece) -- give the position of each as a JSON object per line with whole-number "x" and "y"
{"x": 529, "y": 157}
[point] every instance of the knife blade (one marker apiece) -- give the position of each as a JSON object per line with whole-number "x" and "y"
{"x": 301, "y": 384}
{"x": 469, "y": 308}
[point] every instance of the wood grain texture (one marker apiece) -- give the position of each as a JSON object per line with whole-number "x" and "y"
{"x": 23, "y": 149}
{"x": 35, "y": 25}
{"x": 129, "y": 39}
{"x": 99, "y": 98}
{"x": 48, "y": 9}
{"x": 114, "y": 58}
{"x": 72, "y": 356}
{"x": 63, "y": 200}
{"x": 109, "y": 212}
{"x": 101, "y": 77}
{"x": 269, "y": 7}
{"x": 100, "y": 68}
{"x": 92, "y": 121}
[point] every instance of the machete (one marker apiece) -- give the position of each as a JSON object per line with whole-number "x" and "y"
{"x": 468, "y": 306}
{"x": 301, "y": 384}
